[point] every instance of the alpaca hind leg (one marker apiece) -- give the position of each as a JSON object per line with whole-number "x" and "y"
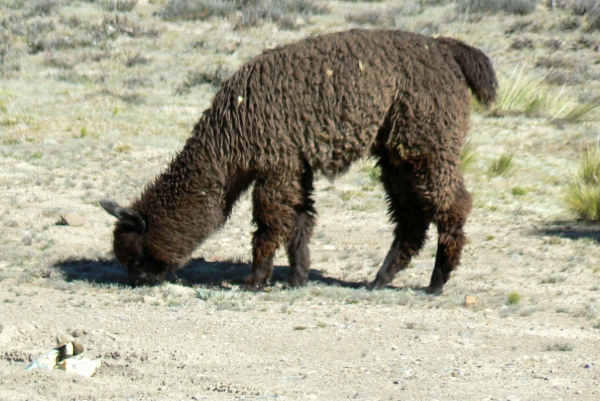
{"x": 451, "y": 239}
{"x": 407, "y": 211}
{"x": 297, "y": 248}
{"x": 274, "y": 201}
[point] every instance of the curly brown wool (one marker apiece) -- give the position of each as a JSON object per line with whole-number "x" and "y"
{"x": 318, "y": 105}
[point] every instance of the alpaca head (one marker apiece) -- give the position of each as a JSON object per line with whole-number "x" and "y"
{"x": 130, "y": 246}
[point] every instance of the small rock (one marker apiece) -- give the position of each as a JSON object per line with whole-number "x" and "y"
{"x": 471, "y": 302}
{"x": 6, "y": 334}
{"x": 78, "y": 332}
{"x": 71, "y": 219}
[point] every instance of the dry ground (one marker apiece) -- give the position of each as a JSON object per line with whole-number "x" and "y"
{"x": 81, "y": 123}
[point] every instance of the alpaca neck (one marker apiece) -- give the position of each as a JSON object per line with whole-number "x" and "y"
{"x": 192, "y": 198}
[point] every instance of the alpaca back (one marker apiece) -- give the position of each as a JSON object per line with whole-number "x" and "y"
{"x": 325, "y": 98}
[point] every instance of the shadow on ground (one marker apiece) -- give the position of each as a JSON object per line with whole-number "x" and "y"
{"x": 221, "y": 274}
{"x": 570, "y": 229}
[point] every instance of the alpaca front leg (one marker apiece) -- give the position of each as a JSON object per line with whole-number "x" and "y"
{"x": 263, "y": 253}
{"x": 274, "y": 214}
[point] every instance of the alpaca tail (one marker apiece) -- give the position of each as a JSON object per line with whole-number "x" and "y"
{"x": 476, "y": 67}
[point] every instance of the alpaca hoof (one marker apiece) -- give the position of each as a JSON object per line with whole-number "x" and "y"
{"x": 374, "y": 285}
{"x": 252, "y": 288}
{"x": 295, "y": 282}
{"x": 434, "y": 290}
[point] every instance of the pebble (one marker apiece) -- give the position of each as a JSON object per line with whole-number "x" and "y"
{"x": 471, "y": 302}
{"x": 71, "y": 219}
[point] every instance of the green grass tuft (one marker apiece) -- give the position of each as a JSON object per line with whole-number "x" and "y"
{"x": 502, "y": 165}
{"x": 518, "y": 191}
{"x": 513, "y": 298}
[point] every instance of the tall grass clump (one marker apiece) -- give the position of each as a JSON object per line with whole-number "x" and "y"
{"x": 502, "y": 165}
{"x": 523, "y": 92}
{"x": 582, "y": 195}
{"x": 468, "y": 156}
{"x": 519, "y": 7}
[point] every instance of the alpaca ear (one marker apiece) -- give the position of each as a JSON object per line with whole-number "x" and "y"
{"x": 125, "y": 215}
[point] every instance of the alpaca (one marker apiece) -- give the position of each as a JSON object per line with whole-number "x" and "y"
{"x": 316, "y": 106}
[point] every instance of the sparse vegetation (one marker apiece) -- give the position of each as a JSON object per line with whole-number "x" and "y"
{"x": 247, "y": 12}
{"x": 553, "y": 280}
{"x": 521, "y": 7}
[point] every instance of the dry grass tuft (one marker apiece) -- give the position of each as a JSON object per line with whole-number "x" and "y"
{"x": 563, "y": 347}
{"x": 582, "y": 195}
{"x": 524, "y": 93}
{"x": 468, "y": 156}
{"x": 520, "y": 7}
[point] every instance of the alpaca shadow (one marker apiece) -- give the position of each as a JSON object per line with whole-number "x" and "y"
{"x": 220, "y": 274}
{"x": 571, "y": 229}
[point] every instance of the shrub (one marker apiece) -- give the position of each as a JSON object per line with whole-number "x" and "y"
{"x": 9, "y": 63}
{"x": 187, "y": 9}
{"x": 582, "y": 195}
{"x": 195, "y": 78}
{"x": 520, "y": 7}
{"x": 367, "y": 18}
{"x": 136, "y": 59}
{"x": 118, "y": 5}
{"x": 581, "y": 7}
{"x": 40, "y": 8}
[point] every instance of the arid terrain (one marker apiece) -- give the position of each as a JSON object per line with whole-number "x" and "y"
{"x": 96, "y": 99}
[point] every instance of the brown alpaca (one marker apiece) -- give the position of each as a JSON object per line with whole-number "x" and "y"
{"x": 318, "y": 105}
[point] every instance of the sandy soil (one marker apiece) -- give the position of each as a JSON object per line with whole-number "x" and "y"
{"x": 519, "y": 320}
